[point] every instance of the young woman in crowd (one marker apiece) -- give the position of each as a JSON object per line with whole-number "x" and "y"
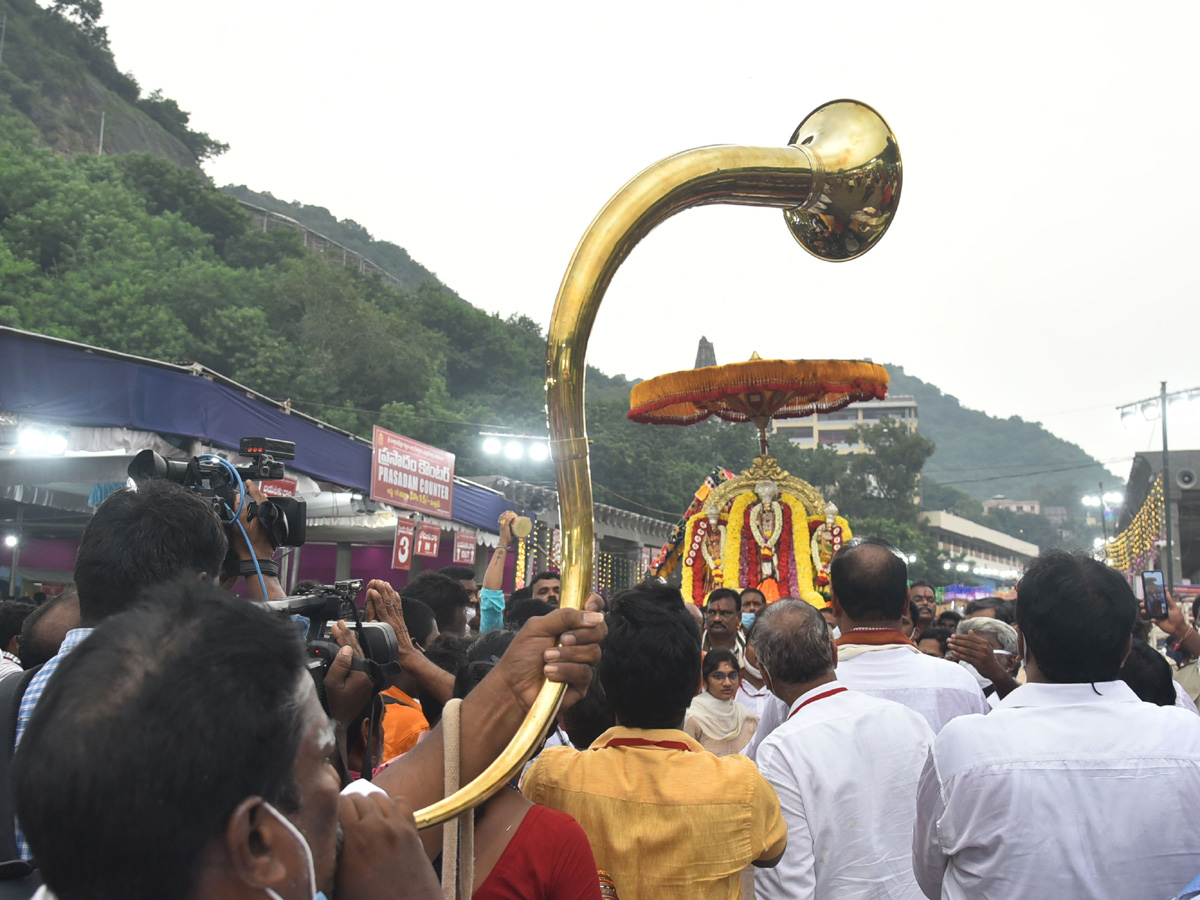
{"x": 716, "y": 719}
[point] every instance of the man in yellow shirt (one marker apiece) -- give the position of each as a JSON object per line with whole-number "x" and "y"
{"x": 666, "y": 818}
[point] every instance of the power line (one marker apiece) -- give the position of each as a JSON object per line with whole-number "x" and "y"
{"x": 1036, "y": 472}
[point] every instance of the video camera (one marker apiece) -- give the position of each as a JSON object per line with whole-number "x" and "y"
{"x": 214, "y": 479}
{"x": 326, "y": 604}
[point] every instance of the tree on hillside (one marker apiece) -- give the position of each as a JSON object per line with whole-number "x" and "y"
{"x": 883, "y": 481}
{"x": 86, "y": 15}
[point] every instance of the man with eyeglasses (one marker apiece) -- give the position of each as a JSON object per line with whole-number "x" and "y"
{"x": 722, "y": 623}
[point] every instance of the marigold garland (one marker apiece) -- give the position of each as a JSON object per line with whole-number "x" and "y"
{"x": 733, "y": 538}
{"x": 800, "y": 582}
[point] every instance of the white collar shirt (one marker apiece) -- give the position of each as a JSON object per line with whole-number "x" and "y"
{"x": 754, "y": 699}
{"x": 1065, "y": 790}
{"x": 9, "y": 663}
{"x": 845, "y": 766}
{"x": 936, "y": 688}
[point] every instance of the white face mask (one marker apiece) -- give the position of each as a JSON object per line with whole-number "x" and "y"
{"x": 470, "y": 614}
{"x": 311, "y": 890}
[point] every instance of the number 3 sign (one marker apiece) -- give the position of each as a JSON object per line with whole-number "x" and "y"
{"x": 402, "y": 549}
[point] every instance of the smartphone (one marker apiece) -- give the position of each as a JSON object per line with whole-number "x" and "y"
{"x": 1155, "y": 594}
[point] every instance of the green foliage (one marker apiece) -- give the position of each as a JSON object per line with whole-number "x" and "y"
{"x": 392, "y": 259}
{"x": 59, "y": 73}
{"x": 984, "y": 455}
{"x": 166, "y": 112}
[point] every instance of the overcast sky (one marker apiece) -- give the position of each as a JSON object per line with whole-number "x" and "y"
{"x": 1040, "y": 263}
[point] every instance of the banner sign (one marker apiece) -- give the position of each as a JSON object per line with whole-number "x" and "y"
{"x": 411, "y": 475}
{"x": 402, "y": 547}
{"x": 429, "y": 539}
{"x": 280, "y": 487}
{"x": 464, "y": 548}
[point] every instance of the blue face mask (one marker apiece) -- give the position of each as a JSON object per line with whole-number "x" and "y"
{"x": 748, "y": 619}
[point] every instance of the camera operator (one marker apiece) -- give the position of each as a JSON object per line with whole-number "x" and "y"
{"x": 145, "y": 537}
{"x": 138, "y": 779}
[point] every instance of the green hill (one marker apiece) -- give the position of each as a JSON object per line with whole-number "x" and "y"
{"x": 58, "y": 75}
{"x": 138, "y": 252}
{"x": 982, "y": 455}
{"x": 392, "y": 259}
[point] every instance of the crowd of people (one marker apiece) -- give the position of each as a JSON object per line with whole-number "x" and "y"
{"x": 166, "y": 739}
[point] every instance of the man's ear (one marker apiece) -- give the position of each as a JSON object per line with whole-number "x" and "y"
{"x": 834, "y": 604}
{"x": 254, "y": 840}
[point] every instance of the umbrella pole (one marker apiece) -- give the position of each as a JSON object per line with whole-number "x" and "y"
{"x": 761, "y": 422}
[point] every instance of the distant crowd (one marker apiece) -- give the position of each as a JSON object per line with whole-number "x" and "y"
{"x": 174, "y": 741}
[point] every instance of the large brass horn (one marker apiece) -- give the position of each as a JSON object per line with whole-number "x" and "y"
{"x": 838, "y": 183}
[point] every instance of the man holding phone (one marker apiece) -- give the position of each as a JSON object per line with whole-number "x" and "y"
{"x": 1184, "y": 636}
{"x": 1072, "y": 783}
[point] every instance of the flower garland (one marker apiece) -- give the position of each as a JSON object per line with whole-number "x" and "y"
{"x": 695, "y": 556}
{"x": 799, "y": 575}
{"x": 766, "y": 543}
{"x": 734, "y": 529}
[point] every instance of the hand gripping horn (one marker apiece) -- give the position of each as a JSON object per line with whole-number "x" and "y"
{"x": 838, "y": 183}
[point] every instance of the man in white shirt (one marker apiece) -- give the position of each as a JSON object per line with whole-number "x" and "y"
{"x": 869, "y": 595}
{"x": 869, "y": 588}
{"x": 844, "y": 765}
{"x": 1072, "y": 787}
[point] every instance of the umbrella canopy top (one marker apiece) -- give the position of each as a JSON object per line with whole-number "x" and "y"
{"x": 756, "y": 391}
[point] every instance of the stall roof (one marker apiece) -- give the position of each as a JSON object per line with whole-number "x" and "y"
{"x": 58, "y": 381}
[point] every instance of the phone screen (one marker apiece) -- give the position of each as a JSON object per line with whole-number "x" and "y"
{"x": 1155, "y": 594}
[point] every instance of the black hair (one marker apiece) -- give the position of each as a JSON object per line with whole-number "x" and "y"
{"x": 870, "y": 580}
{"x": 1148, "y": 674}
{"x": 727, "y": 594}
{"x": 1076, "y": 616}
{"x": 742, "y": 595}
{"x": 524, "y": 610}
{"x": 140, "y": 538}
{"x": 442, "y": 594}
{"x": 446, "y": 651}
{"x": 1002, "y": 609}
{"x": 150, "y": 734}
{"x": 458, "y": 573}
{"x": 921, "y": 582}
{"x": 418, "y": 619}
{"x": 650, "y": 660}
{"x": 544, "y": 576}
{"x": 936, "y": 633}
{"x": 589, "y": 718}
{"x": 37, "y": 647}
{"x": 953, "y": 615}
{"x": 522, "y": 593}
{"x": 12, "y": 616}
{"x": 481, "y": 658}
{"x": 713, "y": 660}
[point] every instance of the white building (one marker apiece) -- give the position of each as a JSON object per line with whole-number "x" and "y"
{"x": 833, "y": 429}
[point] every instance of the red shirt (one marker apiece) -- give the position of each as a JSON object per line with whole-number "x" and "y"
{"x": 549, "y": 858}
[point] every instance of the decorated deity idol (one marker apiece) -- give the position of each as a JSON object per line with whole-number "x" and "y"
{"x": 763, "y": 529}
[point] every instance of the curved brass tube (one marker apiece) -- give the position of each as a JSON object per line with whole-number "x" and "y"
{"x": 838, "y": 182}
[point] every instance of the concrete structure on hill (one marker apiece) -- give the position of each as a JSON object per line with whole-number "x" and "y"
{"x": 986, "y": 553}
{"x": 833, "y": 429}
{"x": 1033, "y": 507}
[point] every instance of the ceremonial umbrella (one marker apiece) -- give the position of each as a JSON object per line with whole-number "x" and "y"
{"x": 757, "y": 391}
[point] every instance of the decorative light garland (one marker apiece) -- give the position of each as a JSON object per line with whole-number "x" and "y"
{"x": 1134, "y": 550}
{"x": 519, "y": 568}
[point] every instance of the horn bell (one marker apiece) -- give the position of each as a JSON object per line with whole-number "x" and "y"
{"x": 857, "y": 176}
